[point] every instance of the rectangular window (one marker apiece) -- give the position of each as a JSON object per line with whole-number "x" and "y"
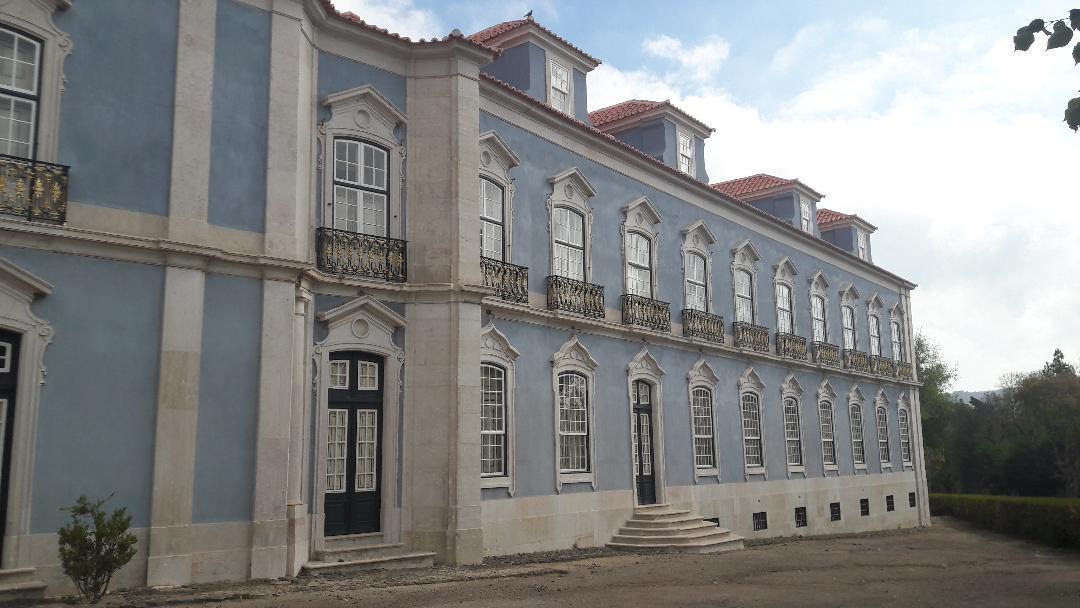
{"x": 828, "y": 440}
{"x": 883, "y": 435}
{"x": 366, "y": 449}
{"x": 696, "y": 283}
{"x": 817, "y": 314}
{"x": 569, "y": 232}
{"x": 761, "y": 521}
{"x": 339, "y": 375}
{"x": 751, "y": 418}
{"x": 361, "y": 187}
{"x": 897, "y": 343}
{"x": 807, "y": 225}
{"x": 492, "y": 420}
{"x": 847, "y": 315}
{"x": 573, "y": 423}
{"x": 863, "y": 245}
{"x": 905, "y": 434}
{"x": 834, "y": 511}
{"x": 858, "y": 452}
{"x": 890, "y": 505}
{"x": 792, "y": 432}
{"x": 686, "y": 154}
{"x": 800, "y": 517}
{"x": 367, "y": 376}
{"x": 560, "y": 88}
{"x": 704, "y": 446}
{"x": 875, "y": 335}
{"x": 336, "y": 428}
{"x": 864, "y": 507}
{"x": 19, "y": 60}
{"x": 5, "y": 357}
{"x": 638, "y": 265}
{"x": 744, "y": 296}
{"x": 492, "y": 234}
{"x": 785, "y": 320}
{"x": 911, "y": 499}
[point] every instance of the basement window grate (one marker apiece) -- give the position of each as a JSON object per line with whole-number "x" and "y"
{"x": 864, "y": 507}
{"x": 889, "y": 504}
{"x": 800, "y": 517}
{"x": 834, "y": 511}
{"x": 911, "y": 499}
{"x": 761, "y": 521}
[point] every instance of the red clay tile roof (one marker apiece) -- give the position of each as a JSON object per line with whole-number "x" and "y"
{"x": 738, "y": 188}
{"x": 828, "y": 216}
{"x": 499, "y": 29}
{"x": 356, "y": 20}
{"x": 679, "y": 174}
{"x": 634, "y": 107}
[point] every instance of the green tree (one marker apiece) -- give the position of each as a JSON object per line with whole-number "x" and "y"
{"x": 938, "y": 412}
{"x": 1061, "y": 35}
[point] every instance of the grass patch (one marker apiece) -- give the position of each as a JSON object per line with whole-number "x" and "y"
{"x": 1054, "y": 521}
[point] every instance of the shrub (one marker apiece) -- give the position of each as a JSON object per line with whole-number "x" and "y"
{"x": 1054, "y": 521}
{"x": 93, "y": 547}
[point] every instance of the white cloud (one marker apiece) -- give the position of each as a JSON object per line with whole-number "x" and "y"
{"x": 699, "y": 62}
{"x": 953, "y": 146}
{"x": 400, "y": 17}
{"x": 806, "y": 39}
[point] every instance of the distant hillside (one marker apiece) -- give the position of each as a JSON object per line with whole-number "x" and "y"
{"x": 965, "y": 396}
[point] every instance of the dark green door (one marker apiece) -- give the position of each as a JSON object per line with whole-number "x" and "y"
{"x": 9, "y": 373}
{"x": 353, "y": 499}
{"x": 643, "y": 424}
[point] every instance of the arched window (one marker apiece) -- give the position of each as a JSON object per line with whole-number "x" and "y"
{"x": 828, "y": 436}
{"x": 793, "y": 432}
{"x": 744, "y": 296}
{"x": 361, "y": 187}
{"x": 785, "y": 319}
{"x": 697, "y": 295}
{"x": 905, "y": 434}
{"x": 817, "y": 315}
{"x": 638, "y": 265}
{"x": 573, "y": 423}
{"x": 751, "y": 422}
{"x": 847, "y": 315}
{"x": 883, "y": 434}
{"x": 569, "y": 233}
{"x": 875, "y": 335}
{"x": 492, "y": 220}
{"x": 493, "y": 442}
{"x": 858, "y": 451}
{"x": 701, "y": 402}
{"x": 897, "y": 342}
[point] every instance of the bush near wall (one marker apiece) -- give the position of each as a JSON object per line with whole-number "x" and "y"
{"x": 1054, "y": 521}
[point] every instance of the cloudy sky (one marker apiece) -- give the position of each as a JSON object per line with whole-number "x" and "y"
{"x": 916, "y": 115}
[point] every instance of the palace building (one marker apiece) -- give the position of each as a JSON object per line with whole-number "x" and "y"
{"x": 303, "y": 294}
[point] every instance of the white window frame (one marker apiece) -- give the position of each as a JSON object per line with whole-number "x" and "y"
{"x": 862, "y": 244}
{"x": 641, "y": 217}
{"x": 363, "y": 114}
{"x": 703, "y": 376}
{"x": 881, "y": 406}
{"x": 745, "y": 258}
{"x": 552, "y": 88}
{"x": 691, "y": 167}
{"x": 5, "y": 357}
{"x": 827, "y": 396}
{"x": 750, "y": 384}
{"x": 496, "y": 349}
{"x": 901, "y": 352}
{"x": 792, "y": 390}
{"x": 571, "y": 190}
{"x": 633, "y": 267}
{"x": 573, "y": 357}
{"x": 806, "y": 216}
{"x": 334, "y": 363}
{"x": 359, "y": 186}
{"x": 496, "y": 161}
{"x": 856, "y": 400}
{"x": 851, "y": 331}
{"x": 903, "y": 418}
{"x": 784, "y": 274}
{"x": 698, "y": 240}
{"x": 498, "y": 223}
{"x": 360, "y": 367}
{"x": 343, "y": 444}
{"x": 503, "y": 432}
{"x": 11, "y": 94}
{"x": 873, "y": 312}
{"x": 819, "y": 286}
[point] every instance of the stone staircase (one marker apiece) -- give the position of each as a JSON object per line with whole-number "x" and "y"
{"x": 20, "y": 584}
{"x": 343, "y": 556}
{"x": 662, "y": 528}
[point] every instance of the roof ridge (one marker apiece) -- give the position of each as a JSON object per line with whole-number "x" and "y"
{"x": 353, "y": 18}
{"x": 499, "y": 29}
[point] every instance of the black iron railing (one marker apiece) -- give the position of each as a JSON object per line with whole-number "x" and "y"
{"x": 575, "y": 296}
{"x": 646, "y": 312}
{"x": 704, "y": 325}
{"x": 362, "y": 255}
{"x": 826, "y": 354}
{"x": 857, "y": 361}
{"x": 905, "y": 371}
{"x": 511, "y": 282}
{"x": 32, "y": 189}
{"x": 791, "y": 346}
{"x": 748, "y": 335}
{"x": 882, "y": 366}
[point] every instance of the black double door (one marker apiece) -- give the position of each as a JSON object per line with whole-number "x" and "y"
{"x": 353, "y": 499}
{"x": 642, "y": 422}
{"x": 9, "y": 373}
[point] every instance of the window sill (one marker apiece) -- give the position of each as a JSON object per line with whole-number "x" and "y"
{"x": 832, "y": 467}
{"x": 909, "y": 466}
{"x": 495, "y": 482}
{"x": 755, "y": 470}
{"x": 886, "y": 465}
{"x": 796, "y": 469}
{"x": 566, "y": 478}
{"x": 708, "y": 472}
{"x": 860, "y": 467}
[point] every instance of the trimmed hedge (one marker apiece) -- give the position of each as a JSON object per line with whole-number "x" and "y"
{"x": 1054, "y": 521}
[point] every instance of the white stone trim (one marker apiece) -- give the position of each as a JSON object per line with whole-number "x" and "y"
{"x": 750, "y": 382}
{"x": 496, "y": 160}
{"x": 495, "y": 348}
{"x": 367, "y": 325}
{"x": 645, "y": 367}
{"x": 642, "y": 217}
{"x": 18, "y": 289}
{"x": 699, "y": 239}
{"x": 745, "y": 256}
{"x": 363, "y": 113}
{"x": 702, "y": 375}
{"x": 791, "y": 388}
{"x": 572, "y": 356}
{"x": 570, "y": 189}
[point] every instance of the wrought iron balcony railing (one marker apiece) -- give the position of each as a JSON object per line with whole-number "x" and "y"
{"x": 748, "y": 335}
{"x": 362, "y": 255}
{"x": 882, "y": 366}
{"x": 646, "y": 312}
{"x": 857, "y": 361}
{"x": 511, "y": 282}
{"x": 826, "y": 354}
{"x": 575, "y": 296}
{"x": 791, "y": 346}
{"x": 704, "y": 325}
{"x": 905, "y": 371}
{"x": 32, "y": 189}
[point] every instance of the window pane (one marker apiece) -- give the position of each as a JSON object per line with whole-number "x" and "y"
{"x": 491, "y": 240}
{"x": 345, "y": 165}
{"x": 744, "y": 303}
{"x": 857, "y": 451}
{"x": 751, "y": 418}
{"x": 828, "y": 441}
{"x": 817, "y": 312}
{"x": 374, "y": 214}
{"x": 848, "y": 318}
{"x": 374, "y": 167}
{"x": 18, "y": 62}
{"x": 905, "y": 434}
{"x": 875, "y": 335}
{"x": 366, "y": 450}
{"x": 573, "y": 423}
{"x": 492, "y": 420}
{"x": 704, "y": 450}
{"x": 883, "y": 434}
{"x": 367, "y": 376}
{"x": 792, "y": 432}
{"x": 346, "y": 209}
{"x": 785, "y": 321}
{"x": 335, "y": 450}
{"x": 491, "y": 200}
{"x": 339, "y": 374}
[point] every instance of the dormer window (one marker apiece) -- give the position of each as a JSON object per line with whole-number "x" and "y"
{"x": 807, "y": 226}
{"x": 559, "y": 96}
{"x": 686, "y": 153}
{"x": 19, "y": 60}
{"x": 864, "y": 247}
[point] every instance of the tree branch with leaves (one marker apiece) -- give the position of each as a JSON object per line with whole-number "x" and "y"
{"x": 1059, "y": 33}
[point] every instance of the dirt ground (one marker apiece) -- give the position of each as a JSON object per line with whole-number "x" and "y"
{"x": 949, "y": 564}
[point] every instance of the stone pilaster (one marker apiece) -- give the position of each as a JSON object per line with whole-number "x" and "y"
{"x": 297, "y": 511}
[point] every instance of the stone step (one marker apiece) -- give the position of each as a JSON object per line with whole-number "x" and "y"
{"x": 729, "y": 542}
{"x": 345, "y": 553}
{"x": 386, "y": 562}
{"x": 673, "y": 539}
{"x": 10, "y": 593}
{"x": 675, "y": 529}
{"x": 663, "y": 522}
{"x": 661, "y": 514}
{"x": 660, "y": 506}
